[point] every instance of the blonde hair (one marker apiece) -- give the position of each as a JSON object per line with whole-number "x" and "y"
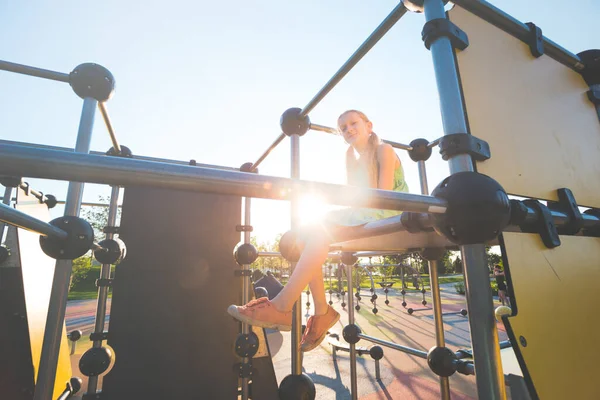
{"x": 368, "y": 158}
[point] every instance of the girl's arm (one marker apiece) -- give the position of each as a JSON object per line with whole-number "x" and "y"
{"x": 386, "y": 158}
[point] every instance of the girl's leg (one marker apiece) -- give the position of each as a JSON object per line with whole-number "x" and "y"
{"x": 317, "y": 289}
{"x": 307, "y": 269}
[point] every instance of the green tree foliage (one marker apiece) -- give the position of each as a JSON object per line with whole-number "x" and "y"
{"x": 98, "y": 216}
{"x": 81, "y": 269}
{"x": 276, "y": 264}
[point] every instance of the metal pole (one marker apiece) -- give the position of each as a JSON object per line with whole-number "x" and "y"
{"x": 62, "y": 273}
{"x": 297, "y": 310}
{"x": 246, "y": 292}
{"x": 364, "y": 48}
{"x": 484, "y": 335}
{"x": 512, "y": 26}
{"x": 353, "y": 381}
{"x": 269, "y": 150}
{"x": 121, "y": 171}
{"x": 19, "y": 219}
{"x": 32, "y": 71}
{"x": 109, "y": 127}
{"x": 395, "y": 346}
{"x": 438, "y": 322}
{"x": 103, "y": 290}
{"x": 435, "y": 293}
{"x": 6, "y": 201}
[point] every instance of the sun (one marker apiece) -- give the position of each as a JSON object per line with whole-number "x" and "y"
{"x": 311, "y": 209}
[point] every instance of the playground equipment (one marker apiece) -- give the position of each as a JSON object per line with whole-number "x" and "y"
{"x": 467, "y": 209}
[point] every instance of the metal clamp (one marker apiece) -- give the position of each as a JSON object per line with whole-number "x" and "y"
{"x": 535, "y": 40}
{"x": 566, "y": 203}
{"x": 544, "y": 224}
{"x": 98, "y": 336}
{"x": 244, "y": 228}
{"x": 464, "y": 143}
{"x": 104, "y": 282}
{"x": 437, "y": 28}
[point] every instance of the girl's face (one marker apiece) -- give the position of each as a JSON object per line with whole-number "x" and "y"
{"x": 355, "y": 130}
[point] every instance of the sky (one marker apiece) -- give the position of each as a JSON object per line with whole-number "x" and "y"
{"x": 208, "y": 80}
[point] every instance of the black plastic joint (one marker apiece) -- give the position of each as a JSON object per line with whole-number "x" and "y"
{"x": 420, "y": 150}
{"x": 242, "y": 272}
{"x": 249, "y": 167}
{"x": 437, "y": 28}
{"x": 535, "y": 40}
{"x": 244, "y": 370}
{"x": 104, "y": 282}
{"x": 543, "y": 224}
{"x": 110, "y": 229}
{"x": 518, "y": 212}
{"x": 125, "y": 152}
{"x": 566, "y": 203}
{"x": 464, "y": 143}
{"x": 98, "y": 336}
{"x": 412, "y": 222}
{"x": 244, "y": 228}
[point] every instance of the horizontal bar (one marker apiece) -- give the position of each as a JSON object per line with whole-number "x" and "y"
{"x": 109, "y": 127}
{"x": 99, "y": 153}
{"x": 395, "y": 346}
{"x": 514, "y": 27}
{"x": 67, "y": 166}
{"x": 268, "y": 151}
{"x": 19, "y": 219}
{"x": 364, "y": 48}
{"x": 33, "y": 71}
{"x": 560, "y": 218}
{"x": 333, "y": 131}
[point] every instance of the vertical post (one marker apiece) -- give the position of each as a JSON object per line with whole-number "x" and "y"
{"x": 246, "y": 292}
{"x": 5, "y": 200}
{"x": 353, "y": 383}
{"x": 113, "y": 208}
{"x": 297, "y": 310}
{"x": 435, "y": 293}
{"x": 62, "y": 273}
{"x": 484, "y": 335}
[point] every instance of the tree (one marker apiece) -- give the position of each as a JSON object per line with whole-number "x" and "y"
{"x": 81, "y": 269}
{"x": 493, "y": 258}
{"x": 98, "y": 216}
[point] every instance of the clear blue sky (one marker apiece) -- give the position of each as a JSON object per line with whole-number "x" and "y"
{"x": 208, "y": 80}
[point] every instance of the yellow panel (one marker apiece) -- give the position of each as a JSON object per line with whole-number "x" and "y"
{"x": 543, "y": 132}
{"x": 555, "y": 292}
{"x": 38, "y": 272}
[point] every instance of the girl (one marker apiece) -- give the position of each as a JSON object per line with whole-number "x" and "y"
{"x": 369, "y": 163}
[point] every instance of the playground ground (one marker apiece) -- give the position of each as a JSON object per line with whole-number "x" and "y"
{"x": 403, "y": 376}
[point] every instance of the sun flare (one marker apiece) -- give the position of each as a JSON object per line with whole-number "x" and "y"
{"x": 311, "y": 209}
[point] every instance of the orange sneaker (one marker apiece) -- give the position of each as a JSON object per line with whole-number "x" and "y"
{"x": 262, "y": 313}
{"x": 317, "y": 327}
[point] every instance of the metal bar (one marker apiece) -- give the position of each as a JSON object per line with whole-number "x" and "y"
{"x": 269, "y": 150}
{"x": 438, "y": 322}
{"x": 514, "y": 27}
{"x": 58, "y": 165}
{"x": 100, "y": 153}
{"x": 352, "y": 346}
{"x": 484, "y": 335}
{"x": 364, "y": 48}
{"x": 5, "y": 201}
{"x": 246, "y": 293}
{"x": 395, "y": 346}
{"x": 434, "y": 143}
{"x": 334, "y": 131}
{"x": 103, "y": 290}
{"x": 17, "y": 218}
{"x": 295, "y": 222}
{"x": 109, "y": 127}
{"x": 33, "y": 71}
{"x": 326, "y": 129}
{"x": 62, "y": 273}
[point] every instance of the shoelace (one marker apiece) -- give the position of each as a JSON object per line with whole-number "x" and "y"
{"x": 256, "y": 302}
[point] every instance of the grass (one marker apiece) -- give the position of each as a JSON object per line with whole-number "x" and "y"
{"x": 85, "y": 295}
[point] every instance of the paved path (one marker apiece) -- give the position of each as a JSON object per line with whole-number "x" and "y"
{"x": 403, "y": 376}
